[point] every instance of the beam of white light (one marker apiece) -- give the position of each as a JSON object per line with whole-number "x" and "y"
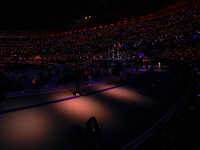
{"x": 126, "y": 95}
{"x": 81, "y": 109}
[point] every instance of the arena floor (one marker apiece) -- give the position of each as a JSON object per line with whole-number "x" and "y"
{"x": 57, "y": 120}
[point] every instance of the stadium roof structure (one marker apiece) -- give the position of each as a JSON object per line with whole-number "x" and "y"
{"x": 31, "y": 15}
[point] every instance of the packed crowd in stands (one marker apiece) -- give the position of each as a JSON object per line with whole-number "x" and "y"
{"x": 87, "y": 45}
{"x": 97, "y": 40}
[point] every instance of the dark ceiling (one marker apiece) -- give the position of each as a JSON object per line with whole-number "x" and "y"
{"x": 32, "y": 15}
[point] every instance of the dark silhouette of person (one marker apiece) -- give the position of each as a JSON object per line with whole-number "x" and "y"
{"x": 121, "y": 76}
{"x": 2, "y": 85}
{"x": 137, "y": 66}
{"x": 93, "y": 133}
{"x": 77, "y": 81}
{"x": 2, "y": 90}
{"x": 36, "y": 83}
{"x": 128, "y": 73}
